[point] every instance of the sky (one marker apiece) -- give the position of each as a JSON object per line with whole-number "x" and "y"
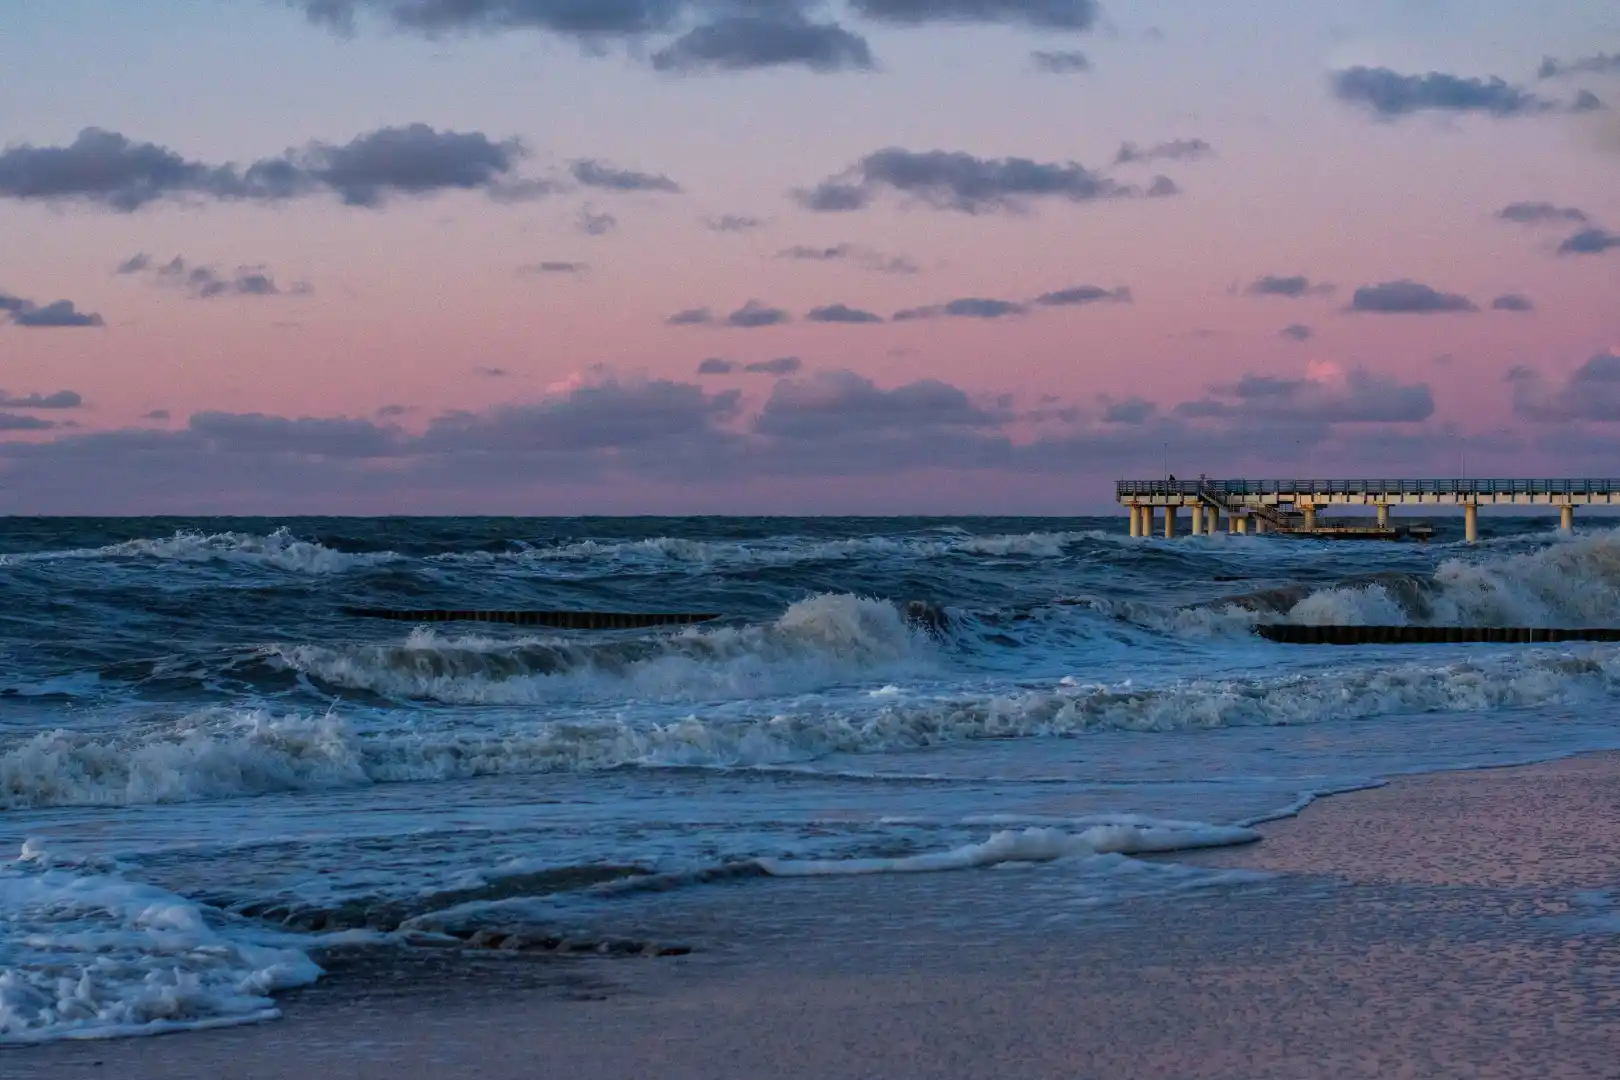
{"x": 560, "y": 257}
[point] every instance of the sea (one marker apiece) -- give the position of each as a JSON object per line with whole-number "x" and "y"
{"x": 211, "y": 774}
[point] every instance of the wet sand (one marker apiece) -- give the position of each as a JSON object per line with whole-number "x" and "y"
{"x": 1451, "y": 925}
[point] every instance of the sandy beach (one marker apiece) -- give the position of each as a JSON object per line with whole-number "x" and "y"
{"x": 1448, "y": 925}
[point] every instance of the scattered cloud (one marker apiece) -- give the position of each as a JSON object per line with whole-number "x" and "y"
{"x": 1334, "y": 397}
{"x": 163, "y": 414}
{"x": 1592, "y": 392}
{"x": 691, "y": 317}
{"x": 61, "y": 399}
{"x": 552, "y": 267}
{"x": 1406, "y": 297}
{"x": 1596, "y": 64}
{"x": 714, "y": 365}
{"x": 207, "y": 283}
{"x": 1060, "y": 61}
{"x": 1133, "y": 410}
{"x": 491, "y": 372}
{"x": 1174, "y": 150}
{"x": 106, "y": 169}
{"x": 782, "y": 365}
{"x": 842, "y": 313}
{"x": 59, "y": 314}
{"x": 1297, "y": 332}
{"x": 854, "y": 253}
{"x": 1292, "y": 286}
{"x": 1590, "y": 242}
{"x": 947, "y": 180}
{"x": 1541, "y": 213}
{"x": 592, "y": 223}
{"x": 782, "y": 39}
{"x": 1390, "y": 94}
{"x": 1512, "y": 302}
{"x": 1073, "y": 15}
{"x": 733, "y": 223}
{"x": 18, "y": 422}
{"x": 1085, "y": 294}
{"x": 596, "y": 174}
{"x": 971, "y": 307}
{"x": 755, "y": 314}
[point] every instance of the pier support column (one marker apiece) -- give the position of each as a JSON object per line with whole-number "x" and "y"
{"x": 1213, "y": 520}
{"x": 1310, "y": 516}
{"x": 1259, "y": 524}
{"x": 1566, "y": 518}
{"x": 1147, "y": 520}
{"x": 1170, "y": 522}
{"x": 1383, "y": 515}
{"x": 1198, "y": 519}
{"x": 1471, "y": 522}
{"x": 1136, "y": 521}
{"x": 1238, "y": 523}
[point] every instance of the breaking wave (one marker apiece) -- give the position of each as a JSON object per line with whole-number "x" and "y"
{"x": 280, "y": 550}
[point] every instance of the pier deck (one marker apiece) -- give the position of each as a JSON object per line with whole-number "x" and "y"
{"x": 1294, "y": 506}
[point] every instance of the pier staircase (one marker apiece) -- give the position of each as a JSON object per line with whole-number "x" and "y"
{"x": 1279, "y": 519}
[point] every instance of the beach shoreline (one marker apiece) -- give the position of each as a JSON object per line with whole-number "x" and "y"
{"x": 1445, "y": 924}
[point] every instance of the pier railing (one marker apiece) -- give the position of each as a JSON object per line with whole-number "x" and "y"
{"x": 1126, "y": 488}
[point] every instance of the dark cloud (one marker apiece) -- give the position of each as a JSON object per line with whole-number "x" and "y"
{"x": 1590, "y": 242}
{"x": 552, "y": 267}
{"x": 163, "y": 414}
{"x": 1292, "y": 286}
{"x": 1591, "y": 393}
{"x": 1133, "y": 410}
{"x": 17, "y": 422}
{"x": 1060, "y": 61}
{"x": 971, "y": 307}
{"x": 744, "y": 42}
{"x": 1174, "y": 150}
{"x": 107, "y": 169}
{"x": 733, "y": 223}
{"x": 842, "y": 313}
{"x": 1078, "y": 15}
{"x": 842, "y": 403}
{"x": 1407, "y": 297}
{"x": 1297, "y": 332}
{"x": 597, "y": 174}
{"x": 59, "y": 314}
{"x": 755, "y": 314}
{"x": 1512, "y": 302}
{"x": 259, "y": 434}
{"x": 592, "y": 223}
{"x": 207, "y": 283}
{"x": 872, "y": 260}
{"x": 1360, "y": 397}
{"x": 1597, "y": 64}
{"x": 714, "y": 365}
{"x": 1541, "y": 213}
{"x": 61, "y": 399}
{"x": 691, "y": 317}
{"x": 1085, "y": 294}
{"x": 584, "y": 19}
{"x": 1390, "y": 94}
{"x": 782, "y": 365}
{"x": 947, "y": 180}
{"x": 491, "y": 372}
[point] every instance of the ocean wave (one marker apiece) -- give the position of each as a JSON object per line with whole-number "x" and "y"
{"x": 280, "y": 550}
{"x": 223, "y": 753}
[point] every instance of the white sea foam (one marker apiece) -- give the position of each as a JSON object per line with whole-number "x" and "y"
{"x": 280, "y": 550}
{"x": 90, "y": 955}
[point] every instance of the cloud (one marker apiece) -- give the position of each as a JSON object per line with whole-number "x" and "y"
{"x": 1133, "y": 410}
{"x": 1174, "y": 150}
{"x": 596, "y": 174}
{"x": 1074, "y": 15}
{"x": 16, "y": 422}
{"x": 1060, "y": 62}
{"x": 107, "y": 169}
{"x": 691, "y": 317}
{"x": 1592, "y": 392}
{"x": 782, "y": 365}
{"x": 842, "y": 403}
{"x": 1596, "y": 64}
{"x": 733, "y": 223}
{"x": 1512, "y": 302}
{"x": 1356, "y": 397}
{"x": 1590, "y": 242}
{"x": 491, "y": 372}
{"x": 872, "y": 260}
{"x": 1292, "y": 286}
{"x": 61, "y": 399}
{"x": 842, "y": 313}
{"x": 1297, "y": 332}
{"x": 163, "y": 414}
{"x": 755, "y": 314}
{"x": 587, "y": 20}
{"x": 1407, "y": 297}
{"x": 205, "y": 282}
{"x": 1085, "y": 294}
{"x": 961, "y": 182}
{"x": 714, "y": 365}
{"x": 592, "y": 223}
{"x": 1390, "y": 94}
{"x": 1541, "y": 213}
{"x": 539, "y": 269}
{"x": 971, "y": 307}
{"x": 59, "y": 314}
{"x": 745, "y": 42}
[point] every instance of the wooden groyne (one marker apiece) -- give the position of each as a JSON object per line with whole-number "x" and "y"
{"x": 1294, "y": 634}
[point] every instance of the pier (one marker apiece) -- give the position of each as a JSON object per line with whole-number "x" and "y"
{"x": 1297, "y": 507}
